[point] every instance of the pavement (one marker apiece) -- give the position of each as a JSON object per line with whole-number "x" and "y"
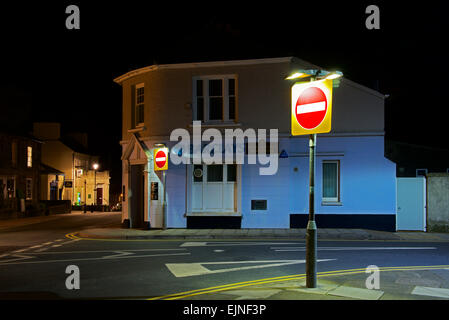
{"x": 396, "y": 283}
{"x": 297, "y": 234}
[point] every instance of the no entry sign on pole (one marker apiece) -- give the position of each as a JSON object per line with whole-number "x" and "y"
{"x": 311, "y": 107}
{"x": 160, "y": 159}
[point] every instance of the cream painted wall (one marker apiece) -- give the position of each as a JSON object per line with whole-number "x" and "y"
{"x": 263, "y": 100}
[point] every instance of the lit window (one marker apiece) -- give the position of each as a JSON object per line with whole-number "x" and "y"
{"x": 215, "y": 98}
{"x": 29, "y": 157}
{"x": 139, "y": 112}
{"x": 331, "y": 181}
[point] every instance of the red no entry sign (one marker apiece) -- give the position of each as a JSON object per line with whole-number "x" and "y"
{"x": 311, "y": 107}
{"x": 161, "y": 159}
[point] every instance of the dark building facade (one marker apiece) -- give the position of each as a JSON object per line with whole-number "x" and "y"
{"x": 20, "y": 160}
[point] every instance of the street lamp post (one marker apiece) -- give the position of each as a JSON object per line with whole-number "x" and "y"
{"x": 311, "y": 231}
{"x": 95, "y": 166}
{"x": 164, "y": 201}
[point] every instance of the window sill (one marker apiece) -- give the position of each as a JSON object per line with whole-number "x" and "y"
{"x": 331, "y": 203}
{"x": 224, "y": 124}
{"x": 213, "y": 214}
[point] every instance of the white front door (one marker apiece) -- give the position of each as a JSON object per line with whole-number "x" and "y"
{"x": 214, "y": 188}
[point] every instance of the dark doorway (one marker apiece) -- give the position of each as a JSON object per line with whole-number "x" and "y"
{"x": 99, "y": 196}
{"x": 136, "y": 192}
{"x": 53, "y": 192}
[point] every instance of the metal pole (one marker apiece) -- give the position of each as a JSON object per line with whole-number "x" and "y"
{"x": 85, "y": 196}
{"x": 95, "y": 187}
{"x": 311, "y": 232}
{"x": 164, "y": 204}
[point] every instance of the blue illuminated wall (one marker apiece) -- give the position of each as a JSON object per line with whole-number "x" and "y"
{"x": 367, "y": 186}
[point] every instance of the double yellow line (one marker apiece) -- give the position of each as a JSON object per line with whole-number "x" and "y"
{"x": 191, "y": 293}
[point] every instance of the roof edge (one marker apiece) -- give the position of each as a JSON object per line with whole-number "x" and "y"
{"x": 223, "y": 63}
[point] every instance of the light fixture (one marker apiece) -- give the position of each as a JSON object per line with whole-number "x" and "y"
{"x": 334, "y": 75}
{"x": 297, "y": 75}
{"x": 95, "y": 166}
{"x": 159, "y": 145}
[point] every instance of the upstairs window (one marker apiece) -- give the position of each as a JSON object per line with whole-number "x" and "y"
{"x": 139, "y": 109}
{"x": 29, "y": 157}
{"x": 14, "y": 153}
{"x": 215, "y": 98}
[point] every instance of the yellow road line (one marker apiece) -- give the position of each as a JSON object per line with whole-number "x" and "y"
{"x": 236, "y": 285}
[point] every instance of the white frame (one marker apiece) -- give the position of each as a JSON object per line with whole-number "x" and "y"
{"x": 138, "y": 86}
{"x": 332, "y": 199}
{"x": 225, "y": 94}
{"x": 416, "y": 172}
{"x": 191, "y": 182}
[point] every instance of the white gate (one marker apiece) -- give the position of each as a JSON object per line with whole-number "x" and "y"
{"x": 411, "y": 204}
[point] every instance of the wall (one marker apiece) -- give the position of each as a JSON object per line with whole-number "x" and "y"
{"x": 438, "y": 202}
{"x": 262, "y": 93}
{"x": 368, "y": 183}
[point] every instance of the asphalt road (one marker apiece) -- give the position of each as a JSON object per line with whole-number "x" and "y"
{"x": 34, "y": 259}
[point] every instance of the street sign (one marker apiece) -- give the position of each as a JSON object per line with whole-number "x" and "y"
{"x": 311, "y": 109}
{"x": 160, "y": 159}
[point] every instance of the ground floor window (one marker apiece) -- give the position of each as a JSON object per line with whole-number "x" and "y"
{"x": 214, "y": 188}
{"x": 331, "y": 180}
{"x": 7, "y": 187}
{"x": 29, "y": 189}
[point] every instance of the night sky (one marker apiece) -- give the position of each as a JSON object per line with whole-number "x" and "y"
{"x": 49, "y": 73}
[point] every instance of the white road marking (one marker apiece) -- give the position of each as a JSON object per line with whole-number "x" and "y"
{"x": 118, "y": 254}
{"x": 21, "y": 250}
{"x": 312, "y": 107}
{"x": 198, "y": 268}
{"x": 432, "y": 292}
{"x": 98, "y": 251}
{"x": 8, "y": 262}
{"x": 222, "y": 244}
{"x": 286, "y": 249}
{"x": 18, "y": 258}
{"x": 218, "y": 250}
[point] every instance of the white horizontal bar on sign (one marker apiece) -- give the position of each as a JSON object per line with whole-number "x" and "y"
{"x": 160, "y": 159}
{"x": 312, "y": 107}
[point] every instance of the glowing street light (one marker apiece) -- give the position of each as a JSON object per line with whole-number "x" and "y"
{"x": 316, "y": 74}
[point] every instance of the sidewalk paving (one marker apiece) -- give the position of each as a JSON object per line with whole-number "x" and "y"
{"x": 297, "y": 234}
{"x": 394, "y": 285}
